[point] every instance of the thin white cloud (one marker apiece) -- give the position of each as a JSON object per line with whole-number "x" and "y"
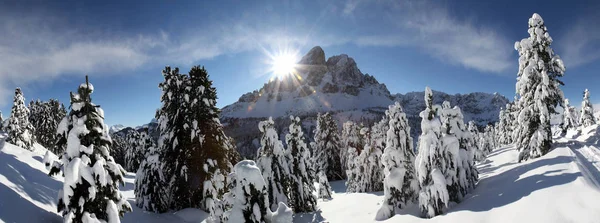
{"x": 432, "y": 29}
{"x": 350, "y": 6}
{"x": 581, "y": 43}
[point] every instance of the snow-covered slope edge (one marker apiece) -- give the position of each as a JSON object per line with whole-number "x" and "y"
{"x": 552, "y": 188}
{"x": 28, "y": 194}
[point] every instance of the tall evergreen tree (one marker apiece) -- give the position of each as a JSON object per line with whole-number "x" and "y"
{"x": 302, "y": 185}
{"x": 90, "y": 192}
{"x": 538, "y": 89}
{"x": 118, "y": 148}
{"x": 150, "y": 194}
{"x": 569, "y": 117}
{"x": 20, "y": 131}
{"x": 273, "y": 162}
{"x": 319, "y": 168}
{"x": 210, "y": 147}
{"x": 476, "y": 141}
{"x": 587, "y": 111}
{"x": 173, "y": 140}
{"x": 134, "y": 151}
{"x": 327, "y": 140}
{"x": 350, "y": 138}
{"x": 400, "y": 183}
{"x": 193, "y": 148}
{"x": 430, "y": 162}
{"x": 1, "y": 122}
{"x": 461, "y": 174}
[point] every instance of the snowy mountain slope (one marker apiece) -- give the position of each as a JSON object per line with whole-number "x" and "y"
{"x": 549, "y": 189}
{"x": 337, "y": 85}
{"x": 28, "y": 194}
{"x": 559, "y": 187}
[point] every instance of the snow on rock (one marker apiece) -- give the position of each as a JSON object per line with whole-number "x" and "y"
{"x": 283, "y": 214}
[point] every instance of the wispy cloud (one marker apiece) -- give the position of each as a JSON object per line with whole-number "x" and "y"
{"x": 434, "y": 30}
{"x": 581, "y": 43}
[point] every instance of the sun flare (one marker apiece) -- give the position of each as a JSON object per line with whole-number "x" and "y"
{"x": 283, "y": 64}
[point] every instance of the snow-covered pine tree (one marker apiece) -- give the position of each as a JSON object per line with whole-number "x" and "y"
{"x": 174, "y": 140}
{"x": 273, "y": 161}
{"x": 372, "y": 156}
{"x": 352, "y": 143}
{"x": 211, "y": 150}
{"x": 587, "y": 111}
{"x": 353, "y": 166}
{"x": 45, "y": 117}
{"x": 150, "y": 193}
{"x": 20, "y": 131}
{"x": 134, "y": 151}
{"x": 459, "y": 145}
{"x": 327, "y": 140}
{"x": 302, "y": 186}
{"x": 251, "y": 202}
{"x": 350, "y": 139}
{"x": 90, "y": 191}
{"x": 569, "y": 117}
{"x": 538, "y": 89}
{"x": 476, "y": 140}
{"x": 433, "y": 196}
{"x": 118, "y": 148}
{"x": 503, "y": 126}
{"x": 400, "y": 183}
{"x": 319, "y": 168}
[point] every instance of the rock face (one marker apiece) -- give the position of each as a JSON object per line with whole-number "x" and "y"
{"x": 336, "y": 85}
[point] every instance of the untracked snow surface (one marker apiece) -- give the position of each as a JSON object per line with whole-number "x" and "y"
{"x": 561, "y": 186}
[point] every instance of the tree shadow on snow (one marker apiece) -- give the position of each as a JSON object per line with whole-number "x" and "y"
{"x": 32, "y": 183}
{"x": 506, "y": 188}
{"x": 309, "y": 217}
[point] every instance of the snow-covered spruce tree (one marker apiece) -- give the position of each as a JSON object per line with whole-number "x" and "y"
{"x": 354, "y": 164}
{"x": 134, "y": 151}
{"x": 174, "y": 140}
{"x": 476, "y": 140}
{"x": 451, "y": 164}
{"x": 20, "y": 131}
{"x": 319, "y": 169}
{"x": 352, "y": 143}
{"x": 273, "y": 161}
{"x": 301, "y": 188}
{"x": 374, "y": 175}
{"x": 251, "y": 202}
{"x": 538, "y": 90}
{"x": 458, "y": 143}
{"x": 90, "y": 191}
{"x": 433, "y": 196}
{"x": 211, "y": 149}
{"x": 1, "y": 122}
{"x": 328, "y": 144}
{"x": 400, "y": 183}
{"x": 569, "y": 117}
{"x": 150, "y": 194}
{"x": 45, "y": 117}
{"x": 504, "y": 126}
{"x": 587, "y": 111}
{"x": 350, "y": 139}
{"x": 118, "y": 148}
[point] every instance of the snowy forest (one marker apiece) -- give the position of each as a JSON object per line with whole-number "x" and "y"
{"x": 188, "y": 163}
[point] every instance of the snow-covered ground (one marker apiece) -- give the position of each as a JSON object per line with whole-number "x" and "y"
{"x": 562, "y": 186}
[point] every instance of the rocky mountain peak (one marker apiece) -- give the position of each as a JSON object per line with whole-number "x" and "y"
{"x": 316, "y": 56}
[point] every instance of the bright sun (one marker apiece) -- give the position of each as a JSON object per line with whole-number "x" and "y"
{"x": 283, "y": 64}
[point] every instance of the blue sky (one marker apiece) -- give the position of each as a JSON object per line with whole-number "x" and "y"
{"x": 46, "y": 47}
